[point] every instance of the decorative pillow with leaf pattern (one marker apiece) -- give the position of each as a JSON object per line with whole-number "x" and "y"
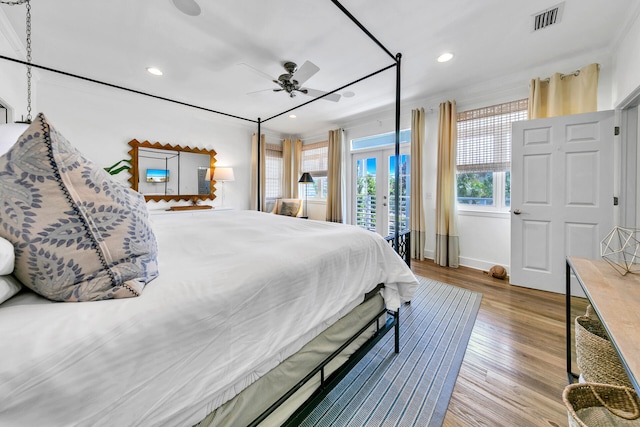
{"x": 78, "y": 234}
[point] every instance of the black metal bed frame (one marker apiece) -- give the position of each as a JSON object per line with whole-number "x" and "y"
{"x": 327, "y": 383}
{"x": 399, "y": 241}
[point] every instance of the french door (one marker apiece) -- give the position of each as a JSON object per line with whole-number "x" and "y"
{"x": 373, "y": 186}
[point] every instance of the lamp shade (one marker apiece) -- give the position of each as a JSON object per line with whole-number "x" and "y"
{"x": 223, "y": 174}
{"x": 306, "y": 178}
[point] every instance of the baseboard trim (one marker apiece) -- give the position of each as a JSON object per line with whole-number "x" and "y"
{"x": 470, "y": 262}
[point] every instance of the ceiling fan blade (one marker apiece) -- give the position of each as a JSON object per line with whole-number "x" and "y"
{"x": 258, "y": 91}
{"x": 258, "y": 72}
{"x": 305, "y": 72}
{"x": 316, "y": 93}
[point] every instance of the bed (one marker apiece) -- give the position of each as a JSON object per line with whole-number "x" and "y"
{"x": 236, "y": 296}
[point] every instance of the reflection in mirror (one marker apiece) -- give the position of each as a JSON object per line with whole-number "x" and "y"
{"x": 166, "y": 172}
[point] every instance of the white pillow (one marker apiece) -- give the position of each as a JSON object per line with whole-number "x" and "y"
{"x": 7, "y": 257}
{"x": 9, "y": 286}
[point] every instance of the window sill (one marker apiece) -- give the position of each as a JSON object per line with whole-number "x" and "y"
{"x": 484, "y": 213}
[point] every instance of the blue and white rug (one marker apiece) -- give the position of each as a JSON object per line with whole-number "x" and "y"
{"x": 411, "y": 388}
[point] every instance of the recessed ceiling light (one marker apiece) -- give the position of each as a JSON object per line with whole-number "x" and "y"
{"x": 447, "y": 56}
{"x": 155, "y": 71}
{"x": 292, "y": 116}
{"x": 348, "y": 94}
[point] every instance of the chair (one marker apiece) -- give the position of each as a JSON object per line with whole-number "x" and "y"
{"x": 288, "y": 207}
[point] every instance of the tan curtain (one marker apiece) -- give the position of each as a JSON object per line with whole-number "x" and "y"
{"x": 254, "y": 171}
{"x": 416, "y": 216}
{"x": 560, "y": 95}
{"x": 334, "y": 177}
{"x": 447, "y": 251}
{"x": 297, "y": 166}
{"x": 287, "y": 170}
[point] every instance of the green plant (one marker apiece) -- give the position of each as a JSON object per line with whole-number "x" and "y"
{"x": 119, "y": 167}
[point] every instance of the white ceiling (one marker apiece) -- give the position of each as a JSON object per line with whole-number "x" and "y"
{"x": 210, "y": 60}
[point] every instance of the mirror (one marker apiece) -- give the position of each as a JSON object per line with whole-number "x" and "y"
{"x": 167, "y": 172}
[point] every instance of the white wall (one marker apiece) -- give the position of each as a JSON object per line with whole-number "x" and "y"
{"x": 626, "y": 64}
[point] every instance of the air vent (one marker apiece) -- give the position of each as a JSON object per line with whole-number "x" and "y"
{"x": 548, "y": 17}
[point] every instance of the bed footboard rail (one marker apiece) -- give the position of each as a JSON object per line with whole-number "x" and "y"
{"x": 327, "y": 383}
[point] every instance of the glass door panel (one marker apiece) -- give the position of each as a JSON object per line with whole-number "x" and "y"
{"x": 405, "y": 184}
{"x": 366, "y": 189}
{"x": 374, "y": 189}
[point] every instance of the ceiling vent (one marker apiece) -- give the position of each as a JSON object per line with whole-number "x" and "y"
{"x": 548, "y": 17}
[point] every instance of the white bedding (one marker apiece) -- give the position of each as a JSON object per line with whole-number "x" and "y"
{"x": 238, "y": 291}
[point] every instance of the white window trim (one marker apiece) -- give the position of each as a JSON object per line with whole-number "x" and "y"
{"x": 499, "y": 200}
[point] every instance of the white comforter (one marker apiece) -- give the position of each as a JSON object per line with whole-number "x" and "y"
{"x": 238, "y": 292}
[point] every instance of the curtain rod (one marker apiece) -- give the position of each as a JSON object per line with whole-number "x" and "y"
{"x": 575, "y": 73}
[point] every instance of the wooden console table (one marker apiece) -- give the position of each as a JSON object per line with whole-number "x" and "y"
{"x": 616, "y": 300}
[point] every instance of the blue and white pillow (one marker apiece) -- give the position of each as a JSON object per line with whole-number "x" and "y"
{"x": 78, "y": 234}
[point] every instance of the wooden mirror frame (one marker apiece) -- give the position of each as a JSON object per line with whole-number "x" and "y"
{"x": 134, "y": 171}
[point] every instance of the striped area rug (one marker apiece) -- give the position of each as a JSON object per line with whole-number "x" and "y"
{"x": 412, "y": 388}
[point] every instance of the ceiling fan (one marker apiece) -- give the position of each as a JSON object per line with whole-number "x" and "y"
{"x": 291, "y": 82}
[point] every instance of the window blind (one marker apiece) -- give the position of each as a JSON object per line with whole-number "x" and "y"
{"x": 484, "y": 137}
{"x": 315, "y": 159}
{"x": 273, "y": 171}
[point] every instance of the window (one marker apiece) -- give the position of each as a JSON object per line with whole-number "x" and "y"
{"x": 315, "y": 160}
{"x": 273, "y": 172}
{"x": 484, "y": 155}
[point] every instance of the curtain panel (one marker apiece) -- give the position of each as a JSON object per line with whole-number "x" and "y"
{"x": 287, "y": 170}
{"x": 416, "y": 215}
{"x": 334, "y": 177}
{"x": 563, "y": 94}
{"x": 447, "y": 252}
{"x": 297, "y": 167}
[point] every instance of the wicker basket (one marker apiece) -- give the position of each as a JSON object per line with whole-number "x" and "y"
{"x": 597, "y": 359}
{"x": 601, "y": 405}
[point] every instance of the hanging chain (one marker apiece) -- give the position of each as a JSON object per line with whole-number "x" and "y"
{"x": 28, "y": 24}
{"x": 29, "y": 61}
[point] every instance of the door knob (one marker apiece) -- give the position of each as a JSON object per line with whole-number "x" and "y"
{"x": 517, "y": 212}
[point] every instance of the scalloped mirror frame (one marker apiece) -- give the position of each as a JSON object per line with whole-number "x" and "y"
{"x": 134, "y": 171}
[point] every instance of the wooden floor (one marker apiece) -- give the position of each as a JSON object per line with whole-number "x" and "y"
{"x": 513, "y": 372}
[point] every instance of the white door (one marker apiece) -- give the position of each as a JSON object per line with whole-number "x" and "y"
{"x": 561, "y": 195}
{"x": 373, "y": 188}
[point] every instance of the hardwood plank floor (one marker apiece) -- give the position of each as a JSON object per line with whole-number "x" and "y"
{"x": 513, "y": 372}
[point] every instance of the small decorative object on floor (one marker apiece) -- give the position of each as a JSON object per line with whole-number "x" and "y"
{"x": 621, "y": 249}
{"x": 497, "y": 271}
